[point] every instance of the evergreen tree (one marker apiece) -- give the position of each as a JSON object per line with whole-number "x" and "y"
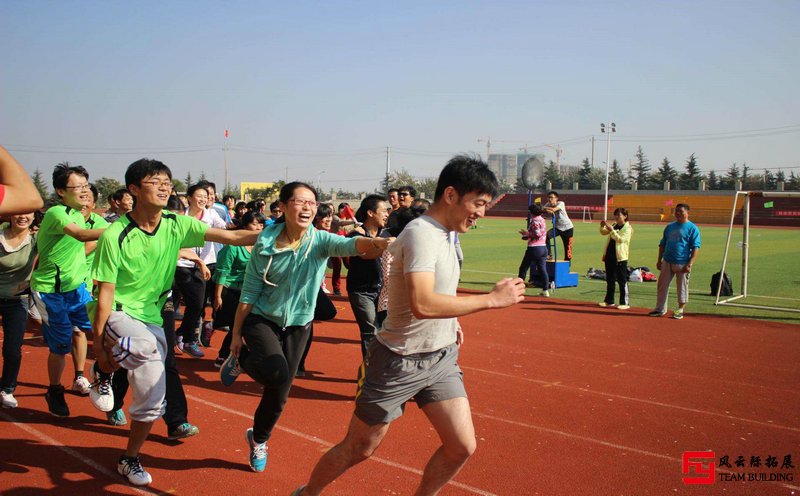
{"x": 616, "y": 179}
{"x": 585, "y": 175}
{"x": 769, "y": 181}
{"x": 713, "y": 181}
{"x": 188, "y": 180}
{"x": 731, "y": 178}
{"x": 666, "y": 173}
{"x": 691, "y": 178}
{"x": 40, "y": 183}
{"x": 793, "y": 184}
{"x": 747, "y": 181}
{"x": 203, "y": 177}
{"x": 551, "y": 174}
{"x": 178, "y": 185}
{"x": 640, "y": 172}
{"x": 780, "y": 177}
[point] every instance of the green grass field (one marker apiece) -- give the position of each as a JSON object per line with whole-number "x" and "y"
{"x": 494, "y": 250}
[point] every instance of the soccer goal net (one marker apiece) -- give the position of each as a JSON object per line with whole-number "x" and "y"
{"x": 588, "y": 215}
{"x": 768, "y": 276}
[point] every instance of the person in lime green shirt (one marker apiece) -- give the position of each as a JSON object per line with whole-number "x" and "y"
{"x": 133, "y": 272}
{"x": 58, "y": 283}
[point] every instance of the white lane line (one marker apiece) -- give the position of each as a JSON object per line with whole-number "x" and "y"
{"x": 602, "y": 443}
{"x": 328, "y": 444}
{"x": 74, "y": 454}
{"x": 637, "y": 400}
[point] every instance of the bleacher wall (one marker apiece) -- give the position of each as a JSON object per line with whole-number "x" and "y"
{"x": 707, "y": 207}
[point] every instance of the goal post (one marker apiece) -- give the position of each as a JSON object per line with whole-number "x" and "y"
{"x": 587, "y": 215}
{"x": 742, "y": 293}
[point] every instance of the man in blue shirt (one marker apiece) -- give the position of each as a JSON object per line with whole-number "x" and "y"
{"x": 676, "y": 253}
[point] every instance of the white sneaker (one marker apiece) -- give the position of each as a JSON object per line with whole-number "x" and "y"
{"x": 81, "y": 385}
{"x": 100, "y": 393}
{"x": 8, "y": 400}
{"x": 545, "y": 293}
{"x": 624, "y": 307}
{"x": 131, "y": 468}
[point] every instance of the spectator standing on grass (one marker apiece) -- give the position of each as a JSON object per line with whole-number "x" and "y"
{"x": 58, "y": 283}
{"x": 535, "y": 258}
{"x": 276, "y": 309}
{"x": 119, "y": 204}
{"x": 563, "y": 226}
{"x": 414, "y": 355}
{"x": 615, "y": 257}
{"x": 677, "y": 252}
{"x": 18, "y": 195}
{"x": 364, "y": 277}
{"x": 17, "y": 254}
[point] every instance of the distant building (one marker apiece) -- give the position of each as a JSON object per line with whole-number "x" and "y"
{"x": 508, "y": 167}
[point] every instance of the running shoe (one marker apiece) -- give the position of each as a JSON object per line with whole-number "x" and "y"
{"x": 230, "y": 370}
{"x": 179, "y": 345}
{"x": 206, "y": 334}
{"x": 657, "y": 313}
{"x": 131, "y": 468}
{"x": 100, "y": 393}
{"x": 258, "y": 452}
{"x": 218, "y": 362}
{"x": 81, "y": 385}
{"x": 624, "y": 307}
{"x": 56, "y": 402}
{"x": 8, "y": 400}
{"x": 116, "y": 417}
{"x": 677, "y": 314}
{"x": 604, "y": 304}
{"x": 545, "y": 293}
{"x": 184, "y": 430}
{"x": 193, "y": 350}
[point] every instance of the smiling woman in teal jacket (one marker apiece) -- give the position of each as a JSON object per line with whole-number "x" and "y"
{"x": 276, "y": 307}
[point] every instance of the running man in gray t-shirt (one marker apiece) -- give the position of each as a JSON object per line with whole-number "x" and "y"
{"x": 415, "y": 353}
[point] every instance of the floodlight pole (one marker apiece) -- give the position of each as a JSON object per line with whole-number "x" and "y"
{"x": 608, "y": 129}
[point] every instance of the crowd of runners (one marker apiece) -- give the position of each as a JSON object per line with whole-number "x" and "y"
{"x": 122, "y": 281}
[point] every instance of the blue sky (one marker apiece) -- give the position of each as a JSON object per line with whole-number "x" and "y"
{"x": 316, "y": 86}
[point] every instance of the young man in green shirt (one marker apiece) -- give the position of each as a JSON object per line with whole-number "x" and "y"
{"x": 59, "y": 282}
{"x": 133, "y": 271}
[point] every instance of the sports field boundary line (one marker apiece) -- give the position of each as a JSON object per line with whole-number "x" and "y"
{"x": 78, "y": 456}
{"x": 328, "y": 444}
{"x": 604, "y": 443}
{"x": 636, "y": 400}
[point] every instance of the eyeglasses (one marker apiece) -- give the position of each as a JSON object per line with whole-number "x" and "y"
{"x": 300, "y": 202}
{"x": 158, "y": 184}
{"x": 80, "y": 187}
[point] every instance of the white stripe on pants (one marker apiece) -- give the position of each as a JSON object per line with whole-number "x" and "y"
{"x": 141, "y": 349}
{"x": 668, "y": 271}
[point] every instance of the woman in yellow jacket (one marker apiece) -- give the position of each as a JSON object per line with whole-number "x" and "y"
{"x": 616, "y": 257}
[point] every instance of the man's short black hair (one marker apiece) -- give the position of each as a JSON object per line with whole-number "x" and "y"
{"x": 370, "y": 203}
{"x": 551, "y": 192}
{"x": 143, "y": 168}
{"x": 684, "y": 206}
{"x": 228, "y": 197}
{"x": 119, "y": 194}
{"x": 62, "y": 172}
{"x": 392, "y": 190}
{"x": 466, "y": 175}
{"x": 274, "y": 206}
{"x": 407, "y": 189}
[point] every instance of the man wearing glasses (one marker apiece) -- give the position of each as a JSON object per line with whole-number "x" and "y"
{"x": 405, "y": 199}
{"x": 59, "y": 282}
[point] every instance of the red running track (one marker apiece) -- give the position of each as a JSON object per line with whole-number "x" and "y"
{"x": 567, "y": 398}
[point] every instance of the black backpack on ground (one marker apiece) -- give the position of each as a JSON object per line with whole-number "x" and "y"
{"x": 727, "y": 285}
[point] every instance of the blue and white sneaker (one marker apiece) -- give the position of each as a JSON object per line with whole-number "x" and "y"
{"x": 230, "y": 370}
{"x": 116, "y": 417}
{"x": 193, "y": 350}
{"x": 258, "y": 452}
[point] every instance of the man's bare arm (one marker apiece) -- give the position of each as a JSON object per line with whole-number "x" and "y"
{"x": 427, "y": 304}
{"x": 21, "y": 196}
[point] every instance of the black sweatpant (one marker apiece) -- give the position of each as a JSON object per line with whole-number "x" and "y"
{"x": 193, "y": 288}
{"x": 566, "y": 238}
{"x": 616, "y": 273}
{"x": 271, "y": 359}
{"x": 177, "y": 410}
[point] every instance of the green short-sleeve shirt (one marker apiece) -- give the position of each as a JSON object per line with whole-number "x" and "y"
{"x": 93, "y": 222}
{"x": 62, "y": 259}
{"x": 141, "y": 264}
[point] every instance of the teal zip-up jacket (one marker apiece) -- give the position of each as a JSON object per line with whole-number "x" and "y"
{"x": 282, "y": 285}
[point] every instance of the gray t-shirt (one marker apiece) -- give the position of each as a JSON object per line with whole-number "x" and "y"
{"x": 423, "y": 246}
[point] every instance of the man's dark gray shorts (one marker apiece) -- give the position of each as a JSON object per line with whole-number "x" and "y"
{"x": 387, "y": 380}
